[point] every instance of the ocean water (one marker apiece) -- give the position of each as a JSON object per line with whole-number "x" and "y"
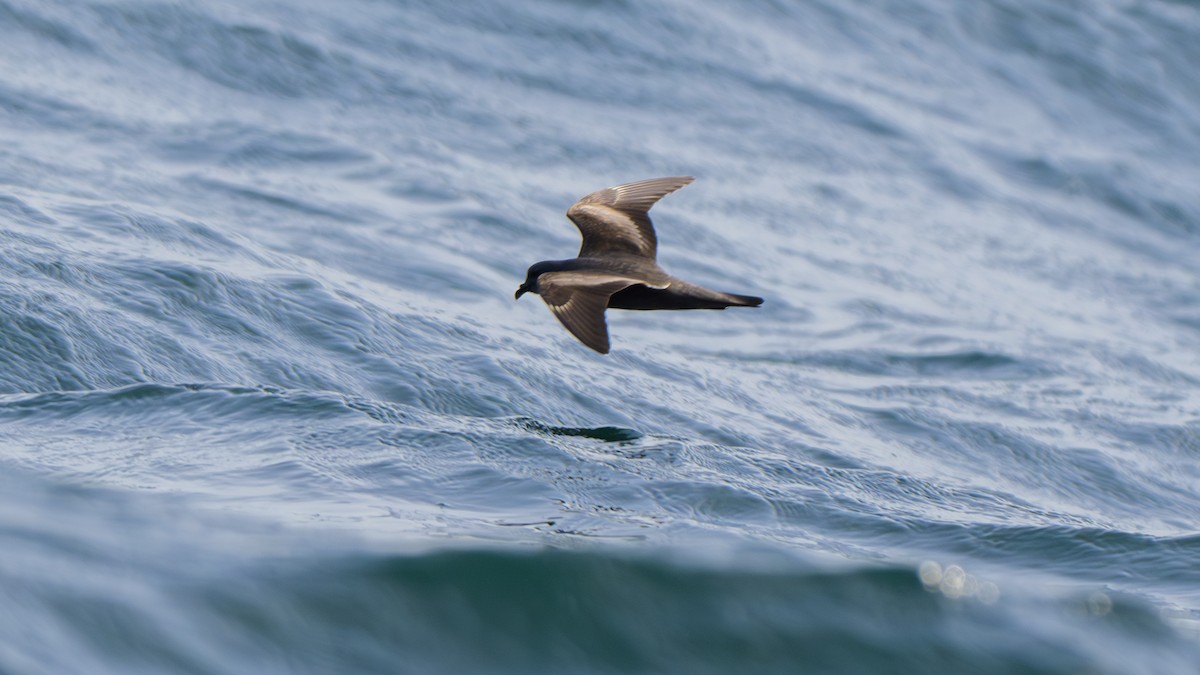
{"x": 267, "y": 404}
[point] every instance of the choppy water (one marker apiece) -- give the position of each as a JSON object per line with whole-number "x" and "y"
{"x": 267, "y": 404}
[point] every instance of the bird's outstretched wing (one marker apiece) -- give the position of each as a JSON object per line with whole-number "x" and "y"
{"x": 578, "y": 300}
{"x": 615, "y": 219}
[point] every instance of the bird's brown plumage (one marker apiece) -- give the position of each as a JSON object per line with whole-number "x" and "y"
{"x": 616, "y": 266}
{"x": 578, "y": 300}
{"x": 616, "y": 219}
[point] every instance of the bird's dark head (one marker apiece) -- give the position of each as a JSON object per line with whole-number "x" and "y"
{"x": 530, "y": 286}
{"x": 538, "y": 269}
{"x": 531, "y": 281}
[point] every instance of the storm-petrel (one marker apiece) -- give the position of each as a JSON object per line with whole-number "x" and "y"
{"x": 616, "y": 266}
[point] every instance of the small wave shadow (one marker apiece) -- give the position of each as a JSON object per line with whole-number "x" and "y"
{"x": 608, "y": 434}
{"x": 967, "y": 363}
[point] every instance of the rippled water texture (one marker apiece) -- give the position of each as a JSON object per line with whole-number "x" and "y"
{"x": 267, "y": 404}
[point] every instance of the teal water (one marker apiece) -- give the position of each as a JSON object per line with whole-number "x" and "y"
{"x": 267, "y": 404}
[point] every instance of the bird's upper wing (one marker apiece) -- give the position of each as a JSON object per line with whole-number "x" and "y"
{"x": 578, "y": 299}
{"x": 615, "y": 219}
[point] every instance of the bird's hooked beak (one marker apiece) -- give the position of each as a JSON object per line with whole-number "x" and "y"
{"x": 521, "y": 291}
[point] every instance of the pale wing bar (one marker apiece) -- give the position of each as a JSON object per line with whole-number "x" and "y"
{"x": 578, "y": 301}
{"x": 616, "y": 220}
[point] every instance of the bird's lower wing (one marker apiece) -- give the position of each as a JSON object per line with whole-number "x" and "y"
{"x": 578, "y": 299}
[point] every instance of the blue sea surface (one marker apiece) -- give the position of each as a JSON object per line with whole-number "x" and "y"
{"x": 267, "y": 404}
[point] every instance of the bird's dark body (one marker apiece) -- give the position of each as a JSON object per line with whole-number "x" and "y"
{"x": 678, "y": 293}
{"x": 644, "y": 297}
{"x": 616, "y": 267}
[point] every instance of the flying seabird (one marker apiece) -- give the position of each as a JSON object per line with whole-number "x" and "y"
{"x": 616, "y": 266}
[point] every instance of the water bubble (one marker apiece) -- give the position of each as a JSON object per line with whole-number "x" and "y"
{"x": 989, "y": 593}
{"x": 954, "y": 582}
{"x": 1099, "y": 604}
{"x": 931, "y": 574}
